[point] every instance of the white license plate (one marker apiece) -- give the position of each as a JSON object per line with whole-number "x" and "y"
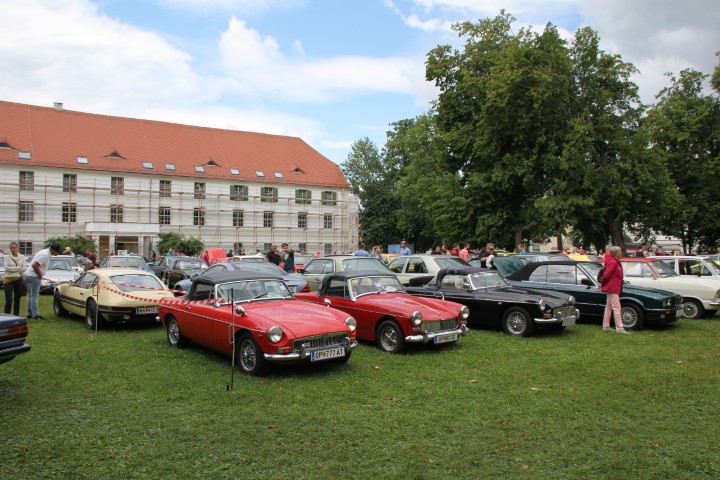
{"x": 318, "y": 355}
{"x": 568, "y": 321}
{"x": 448, "y": 337}
{"x": 146, "y": 310}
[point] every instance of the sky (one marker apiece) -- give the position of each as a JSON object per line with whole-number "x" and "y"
{"x": 331, "y": 72}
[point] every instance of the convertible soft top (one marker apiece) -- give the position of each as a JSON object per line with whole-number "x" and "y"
{"x": 461, "y": 271}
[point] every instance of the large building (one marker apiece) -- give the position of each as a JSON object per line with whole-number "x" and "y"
{"x": 124, "y": 181}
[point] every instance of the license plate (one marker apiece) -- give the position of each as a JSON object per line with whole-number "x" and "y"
{"x": 448, "y": 337}
{"x": 568, "y": 321}
{"x": 146, "y": 310}
{"x": 318, "y": 355}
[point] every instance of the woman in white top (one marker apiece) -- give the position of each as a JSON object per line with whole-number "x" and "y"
{"x": 15, "y": 264}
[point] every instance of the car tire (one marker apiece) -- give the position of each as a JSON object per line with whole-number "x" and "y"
{"x": 516, "y": 321}
{"x": 390, "y": 337}
{"x": 633, "y": 317}
{"x": 58, "y": 308}
{"x": 694, "y": 309}
{"x": 249, "y": 357}
{"x": 175, "y": 338}
{"x": 92, "y": 314}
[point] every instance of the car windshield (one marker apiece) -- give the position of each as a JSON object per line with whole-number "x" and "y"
{"x": 302, "y": 259}
{"x": 486, "y": 280}
{"x": 183, "y": 265}
{"x": 61, "y": 264}
{"x": 262, "y": 267}
{"x": 132, "y": 262}
{"x": 370, "y": 285}
{"x": 251, "y": 290}
{"x": 448, "y": 262}
{"x": 662, "y": 269}
{"x": 134, "y": 283}
{"x": 360, "y": 263}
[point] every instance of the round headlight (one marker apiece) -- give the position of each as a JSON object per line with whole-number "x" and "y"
{"x": 464, "y": 312}
{"x": 416, "y": 318}
{"x": 571, "y": 300}
{"x": 351, "y": 323}
{"x": 541, "y": 304}
{"x": 274, "y": 334}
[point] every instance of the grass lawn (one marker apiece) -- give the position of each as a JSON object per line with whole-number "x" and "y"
{"x": 581, "y": 404}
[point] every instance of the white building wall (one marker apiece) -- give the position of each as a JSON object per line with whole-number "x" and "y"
{"x": 141, "y": 201}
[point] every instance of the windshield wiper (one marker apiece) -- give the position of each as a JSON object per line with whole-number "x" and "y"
{"x": 258, "y": 296}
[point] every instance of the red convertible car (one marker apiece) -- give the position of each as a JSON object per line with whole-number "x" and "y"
{"x": 254, "y": 317}
{"x": 386, "y": 314}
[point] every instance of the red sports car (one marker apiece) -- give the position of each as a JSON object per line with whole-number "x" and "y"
{"x": 386, "y": 314}
{"x": 255, "y": 317}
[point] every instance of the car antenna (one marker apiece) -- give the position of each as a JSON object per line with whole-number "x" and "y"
{"x": 231, "y": 385}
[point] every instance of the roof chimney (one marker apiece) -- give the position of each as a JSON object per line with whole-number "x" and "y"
{"x": 58, "y": 105}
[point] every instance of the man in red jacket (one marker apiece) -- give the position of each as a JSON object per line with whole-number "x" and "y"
{"x": 612, "y": 285}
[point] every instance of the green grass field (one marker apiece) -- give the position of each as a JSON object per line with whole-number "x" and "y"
{"x": 581, "y": 404}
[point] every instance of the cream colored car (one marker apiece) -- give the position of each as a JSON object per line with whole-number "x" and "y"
{"x": 700, "y": 297}
{"x": 111, "y": 295}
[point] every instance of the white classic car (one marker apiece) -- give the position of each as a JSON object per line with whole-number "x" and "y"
{"x": 700, "y": 296}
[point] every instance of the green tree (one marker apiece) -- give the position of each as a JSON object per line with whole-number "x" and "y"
{"x": 78, "y": 244}
{"x": 187, "y": 245}
{"x": 684, "y": 129}
{"x": 501, "y": 113}
{"x": 374, "y": 184}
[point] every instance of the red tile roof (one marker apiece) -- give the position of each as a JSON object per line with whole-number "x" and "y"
{"x": 56, "y": 137}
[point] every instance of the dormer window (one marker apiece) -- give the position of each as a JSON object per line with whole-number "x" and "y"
{"x": 115, "y": 154}
{"x": 82, "y": 160}
{"x": 24, "y": 156}
{"x": 170, "y": 167}
{"x": 148, "y": 165}
{"x": 211, "y": 163}
{"x": 234, "y": 171}
{"x": 199, "y": 169}
{"x": 259, "y": 173}
{"x": 278, "y": 175}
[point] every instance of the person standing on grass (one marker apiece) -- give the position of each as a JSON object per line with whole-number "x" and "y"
{"x": 612, "y": 285}
{"x": 33, "y": 276}
{"x": 15, "y": 265}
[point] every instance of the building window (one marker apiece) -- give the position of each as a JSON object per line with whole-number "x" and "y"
{"x": 69, "y": 212}
{"x": 165, "y": 188}
{"x": 27, "y": 181}
{"x": 164, "y": 216}
{"x": 268, "y": 219}
{"x": 302, "y": 220}
{"x": 269, "y": 194}
{"x": 26, "y": 211}
{"x": 302, "y": 247}
{"x": 328, "y": 249}
{"x": 239, "y": 193}
{"x": 25, "y": 248}
{"x": 116, "y": 214}
{"x": 199, "y": 217}
{"x": 327, "y": 221}
{"x": 329, "y": 198}
{"x": 238, "y": 218}
{"x": 69, "y": 182}
{"x": 117, "y": 186}
{"x": 303, "y": 197}
{"x": 267, "y": 247}
{"x": 199, "y": 190}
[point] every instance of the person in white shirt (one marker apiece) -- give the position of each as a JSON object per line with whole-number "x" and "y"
{"x": 33, "y": 275}
{"x": 15, "y": 265}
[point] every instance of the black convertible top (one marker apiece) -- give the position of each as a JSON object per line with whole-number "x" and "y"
{"x": 524, "y": 273}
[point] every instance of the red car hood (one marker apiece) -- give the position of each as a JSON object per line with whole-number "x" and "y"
{"x": 399, "y": 304}
{"x": 298, "y": 318}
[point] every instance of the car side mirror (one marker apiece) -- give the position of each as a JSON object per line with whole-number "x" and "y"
{"x": 239, "y": 310}
{"x": 327, "y": 302}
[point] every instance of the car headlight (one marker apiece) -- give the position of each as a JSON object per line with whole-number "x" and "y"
{"x": 274, "y": 334}
{"x": 464, "y": 312}
{"x": 571, "y": 300}
{"x": 667, "y": 302}
{"x": 351, "y": 323}
{"x": 416, "y": 318}
{"x": 541, "y": 305}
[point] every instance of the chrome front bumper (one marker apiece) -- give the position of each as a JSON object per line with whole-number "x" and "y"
{"x": 426, "y": 337}
{"x": 301, "y": 355}
{"x": 571, "y": 319}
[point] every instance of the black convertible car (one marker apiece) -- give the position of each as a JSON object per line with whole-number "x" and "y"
{"x": 495, "y": 303}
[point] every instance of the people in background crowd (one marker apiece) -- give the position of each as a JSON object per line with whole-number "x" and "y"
{"x": 377, "y": 253}
{"x": 273, "y": 256}
{"x": 361, "y": 251}
{"x": 15, "y": 265}
{"x": 486, "y": 252}
{"x": 288, "y": 258}
{"x": 404, "y": 250}
{"x": 465, "y": 252}
{"x": 521, "y": 249}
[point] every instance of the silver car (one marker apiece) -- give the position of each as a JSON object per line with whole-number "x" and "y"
{"x": 423, "y": 266}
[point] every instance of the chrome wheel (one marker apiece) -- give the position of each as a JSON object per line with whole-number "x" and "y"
{"x": 390, "y": 338}
{"x": 632, "y": 317}
{"x": 249, "y": 357}
{"x": 518, "y": 322}
{"x": 692, "y": 309}
{"x": 175, "y": 337}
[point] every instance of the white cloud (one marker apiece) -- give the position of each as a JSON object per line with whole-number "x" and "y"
{"x": 247, "y": 7}
{"x": 258, "y": 67}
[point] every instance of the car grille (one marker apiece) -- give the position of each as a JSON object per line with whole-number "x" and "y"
{"x": 440, "y": 325}
{"x": 320, "y": 341}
